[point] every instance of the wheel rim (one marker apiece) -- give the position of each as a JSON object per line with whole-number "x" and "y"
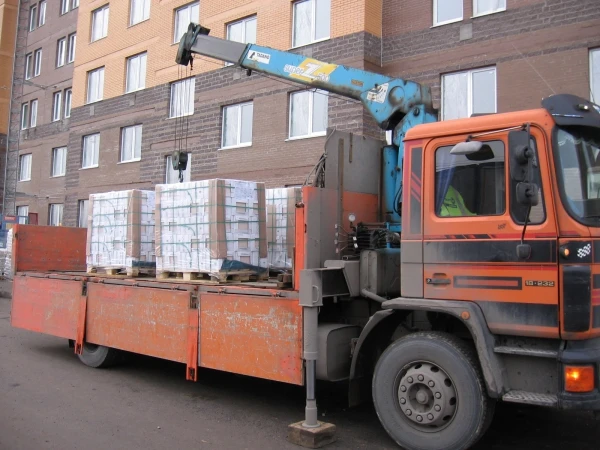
{"x": 90, "y": 348}
{"x": 426, "y": 395}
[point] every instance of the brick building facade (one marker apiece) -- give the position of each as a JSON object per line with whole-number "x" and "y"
{"x": 477, "y": 55}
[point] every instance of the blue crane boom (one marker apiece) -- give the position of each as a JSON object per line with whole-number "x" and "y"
{"x": 395, "y": 104}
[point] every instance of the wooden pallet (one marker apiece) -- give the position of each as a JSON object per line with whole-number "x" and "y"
{"x": 220, "y": 277}
{"x": 129, "y": 271}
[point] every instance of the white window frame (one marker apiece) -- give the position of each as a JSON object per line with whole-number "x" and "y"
{"x": 33, "y": 17}
{"x": 82, "y": 213}
{"x": 470, "y": 88}
{"x": 142, "y": 60}
{"x": 71, "y": 45}
{"x": 313, "y": 31}
{"x": 190, "y": 97}
{"x": 310, "y": 115}
{"x": 68, "y": 99}
{"x": 29, "y": 66}
{"x": 56, "y": 106}
{"x": 99, "y": 91}
{"x": 103, "y": 11}
{"x": 176, "y": 32}
{"x": 145, "y": 15}
{"x": 446, "y": 22}
{"x": 25, "y": 116}
{"x": 244, "y": 39}
{"x": 22, "y": 212}
{"x": 55, "y": 209}
{"x": 33, "y": 112}
{"x": 74, "y": 4}
{"x": 95, "y": 140}
{"x": 61, "y": 52}
{"x": 64, "y": 6}
{"x": 132, "y": 153}
{"x": 62, "y": 169}
{"x": 479, "y": 14}
{"x": 594, "y": 90}
{"x": 22, "y": 158}
{"x": 37, "y": 62}
{"x": 238, "y": 144}
{"x": 187, "y": 173}
{"x": 42, "y": 13}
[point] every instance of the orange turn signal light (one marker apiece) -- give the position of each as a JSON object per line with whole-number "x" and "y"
{"x": 579, "y": 378}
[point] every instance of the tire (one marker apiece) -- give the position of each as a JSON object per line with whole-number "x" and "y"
{"x": 98, "y": 356}
{"x": 450, "y": 414}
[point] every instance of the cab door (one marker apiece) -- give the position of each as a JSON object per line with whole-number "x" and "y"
{"x": 472, "y": 225}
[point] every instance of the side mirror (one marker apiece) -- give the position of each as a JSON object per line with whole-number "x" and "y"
{"x": 519, "y": 154}
{"x": 528, "y": 194}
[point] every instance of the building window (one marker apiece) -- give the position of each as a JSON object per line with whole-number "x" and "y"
{"x": 474, "y": 186}
{"x": 68, "y": 96}
{"x": 183, "y": 17}
{"x": 136, "y": 73}
{"x": 172, "y": 176}
{"x": 467, "y": 93}
{"x": 74, "y": 4}
{"x": 91, "y": 146}
{"x": 311, "y": 21}
{"x": 23, "y": 214}
{"x": 56, "y": 106}
{"x": 95, "y": 85}
{"x": 56, "y": 214}
{"x": 99, "y": 23}
{"x": 33, "y": 114}
{"x": 59, "y": 162}
{"x": 64, "y": 6}
{"x": 447, "y": 11}
{"x": 37, "y": 66}
{"x": 25, "y": 167}
{"x": 71, "y": 48}
{"x": 28, "y": 66}
{"x": 237, "y": 125}
{"x": 131, "y": 143}
{"x": 61, "y": 47}
{"x": 140, "y": 11}
{"x": 308, "y": 113}
{"x": 33, "y": 18}
{"x": 595, "y": 75}
{"x": 42, "y": 16}
{"x": 182, "y": 98}
{"x": 82, "y": 213}
{"x": 24, "y": 116}
{"x": 481, "y": 7}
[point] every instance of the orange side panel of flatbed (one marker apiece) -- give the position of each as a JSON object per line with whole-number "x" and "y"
{"x": 249, "y": 331}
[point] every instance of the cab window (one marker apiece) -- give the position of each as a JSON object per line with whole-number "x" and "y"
{"x": 470, "y": 185}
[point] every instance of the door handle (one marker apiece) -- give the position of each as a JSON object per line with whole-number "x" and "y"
{"x": 438, "y": 281}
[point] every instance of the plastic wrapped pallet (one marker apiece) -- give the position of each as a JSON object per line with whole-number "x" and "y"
{"x": 120, "y": 232}
{"x": 281, "y": 226}
{"x": 213, "y": 227}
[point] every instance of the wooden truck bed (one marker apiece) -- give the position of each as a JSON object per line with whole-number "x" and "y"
{"x": 245, "y": 328}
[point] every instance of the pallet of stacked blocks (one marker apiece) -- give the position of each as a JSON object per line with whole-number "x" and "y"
{"x": 212, "y": 230}
{"x": 281, "y": 226}
{"x": 120, "y": 233}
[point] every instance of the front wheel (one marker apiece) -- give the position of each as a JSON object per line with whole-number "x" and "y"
{"x": 429, "y": 393}
{"x": 98, "y": 356}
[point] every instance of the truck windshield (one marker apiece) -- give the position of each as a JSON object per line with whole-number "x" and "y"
{"x": 578, "y": 160}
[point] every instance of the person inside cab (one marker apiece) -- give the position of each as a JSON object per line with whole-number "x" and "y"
{"x": 454, "y": 205}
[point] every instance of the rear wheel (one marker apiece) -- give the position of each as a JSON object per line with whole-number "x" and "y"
{"x": 98, "y": 356}
{"x": 429, "y": 393}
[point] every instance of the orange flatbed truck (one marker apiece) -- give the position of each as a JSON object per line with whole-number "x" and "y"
{"x": 488, "y": 289}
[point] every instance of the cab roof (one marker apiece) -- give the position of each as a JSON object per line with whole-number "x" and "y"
{"x": 480, "y": 124}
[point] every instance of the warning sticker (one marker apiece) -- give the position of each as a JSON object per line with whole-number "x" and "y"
{"x": 264, "y": 58}
{"x": 379, "y": 93}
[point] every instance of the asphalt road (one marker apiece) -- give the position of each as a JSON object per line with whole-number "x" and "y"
{"x": 49, "y": 400}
